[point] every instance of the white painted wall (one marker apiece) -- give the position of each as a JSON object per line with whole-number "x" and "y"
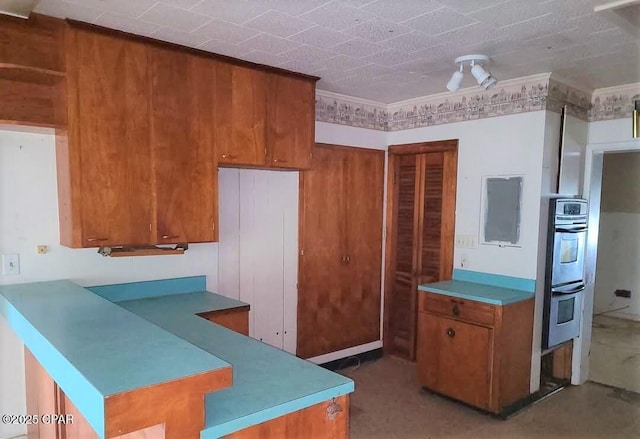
{"x": 29, "y": 217}
{"x": 351, "y": 136}
{"x": 506, "y": 145}
{"x": 604, "y": 137}
{"x": 576, "y": 132}
{"x": 609, "y": 131}
{"x": 619, "y": 237}
{"x": 617, "y": 266}
{"x": 258, "y": 215}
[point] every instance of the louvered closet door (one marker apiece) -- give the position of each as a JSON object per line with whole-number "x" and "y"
{"x": 429, "y": 242}
{"x": 406, "y": 220}
{"x": 320, "y": 307}
{"x": 424, "y": 186}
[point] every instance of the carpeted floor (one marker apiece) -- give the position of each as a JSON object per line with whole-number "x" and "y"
{"x": 388, "y": 403}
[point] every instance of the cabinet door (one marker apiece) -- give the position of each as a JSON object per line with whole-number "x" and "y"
{"x": 240, "y": 115}
{"x": 290, "y": 122}
{"x": 454, "y": 358}
{"x": 323, "y": 321}
{"x": 364, "y": 185}
{"x": 112, "y": 135}
{"x": 182, "y": 136}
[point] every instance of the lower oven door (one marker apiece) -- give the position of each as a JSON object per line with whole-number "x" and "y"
{"x": 564, "y": 317}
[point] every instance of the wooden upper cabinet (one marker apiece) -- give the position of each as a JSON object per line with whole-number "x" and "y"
{"x": 290, "y": 121}
{"x": 241, "y": 115}
{"x": 182, "y": 142}
{"x": 32, "y": 72}
{"x": 33, "y": 44}
{"x": 105, "y": 167}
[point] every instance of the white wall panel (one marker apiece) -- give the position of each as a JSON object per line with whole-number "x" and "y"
{"x": 262, "y": 230}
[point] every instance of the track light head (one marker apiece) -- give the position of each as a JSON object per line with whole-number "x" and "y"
{"x": 456, "y": 80}
{"x": 477, "y": 64}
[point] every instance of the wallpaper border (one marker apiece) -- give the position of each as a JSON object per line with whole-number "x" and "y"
{"x": 533, "y": 93}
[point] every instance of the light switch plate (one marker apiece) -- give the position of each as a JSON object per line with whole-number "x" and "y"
{"x": 10, "y": 264}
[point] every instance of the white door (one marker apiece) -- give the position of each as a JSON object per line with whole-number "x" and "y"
{"x": 258, "y": 253}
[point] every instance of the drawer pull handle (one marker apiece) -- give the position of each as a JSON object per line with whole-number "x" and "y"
{"x": 451, "y": 332}
{"x": 169, "y": 236}
{"x": 97, "y": 239}
{"x": 333, "y": 409}
{"x": 456, "y": 310}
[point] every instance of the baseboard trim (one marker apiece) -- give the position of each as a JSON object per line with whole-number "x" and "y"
{"x": 353, "y": 360}
{"x": 345, "y": 353}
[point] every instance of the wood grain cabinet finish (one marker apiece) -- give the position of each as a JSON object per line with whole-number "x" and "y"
{"x": 182, "y": 145}
{"x": 264, "y": 120}
{"x": 290, "y": 122}
{"x": 241, "y": 99}
{"x": 475, "y": 352}
{"x": 104, "y": 164}
{"x": 236, "y": 319}
{"x": 341, "y": 247}
{"x": 32, "y": 72}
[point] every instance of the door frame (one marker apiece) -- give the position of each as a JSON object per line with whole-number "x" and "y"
{"x": 449, "y": 146}
{"x": 594, "y": 160}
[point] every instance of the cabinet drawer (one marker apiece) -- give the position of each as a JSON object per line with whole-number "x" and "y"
{"x": 461, "y": 309}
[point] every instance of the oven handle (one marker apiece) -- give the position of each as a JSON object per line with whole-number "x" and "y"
{"x": 575, "y": 290}
{"x": 576, "y": 230}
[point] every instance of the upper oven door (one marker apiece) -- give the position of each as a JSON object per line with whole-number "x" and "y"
{"x": 568, "y": 255}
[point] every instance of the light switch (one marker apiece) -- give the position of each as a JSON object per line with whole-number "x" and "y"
{"x": 10, "y": 264}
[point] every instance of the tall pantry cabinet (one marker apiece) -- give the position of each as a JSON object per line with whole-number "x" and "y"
{"x": 340, "y": 259}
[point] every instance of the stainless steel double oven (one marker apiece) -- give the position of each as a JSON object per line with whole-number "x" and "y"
{"x": 564, "y": 278}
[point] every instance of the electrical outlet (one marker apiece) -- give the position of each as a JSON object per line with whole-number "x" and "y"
{"x": 622, "y": 293}
{"x": 10, "y": 264}
{"x": 464, "y": 261}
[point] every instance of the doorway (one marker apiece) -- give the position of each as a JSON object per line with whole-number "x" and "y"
{"x": 615, "y": 336}
{"x": 421, "y": 202}
{"x": 597, "y": 329}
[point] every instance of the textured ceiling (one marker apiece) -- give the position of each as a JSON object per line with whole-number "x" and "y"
{"x": 386, "y": 50}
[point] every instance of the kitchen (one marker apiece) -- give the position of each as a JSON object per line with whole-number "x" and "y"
{"x": 518, "y": 151}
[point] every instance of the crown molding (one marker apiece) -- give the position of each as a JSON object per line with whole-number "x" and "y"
{"x": 467, "y": 91}
{"x": 618, "y": 89}
{"x": 351, "y": 99}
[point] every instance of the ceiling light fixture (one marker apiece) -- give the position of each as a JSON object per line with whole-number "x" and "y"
{"x": 477, "y": 64}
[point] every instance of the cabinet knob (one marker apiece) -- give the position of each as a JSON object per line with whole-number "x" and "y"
{"x": 456, "y": 310}
{"x": 451, "y": 332}
{"x": 348, "y": 259}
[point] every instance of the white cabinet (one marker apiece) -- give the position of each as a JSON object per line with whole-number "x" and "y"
{"x": 258, "y": 250}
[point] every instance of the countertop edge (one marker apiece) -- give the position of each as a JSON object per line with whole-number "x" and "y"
{"x": 519, "y": 297}
{"x": 277, "y": 411}
{"x": 87, "y": 399}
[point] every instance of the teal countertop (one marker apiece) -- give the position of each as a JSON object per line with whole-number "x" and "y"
{"x": 94, "y": 348}
{"x": 267, "y": 382}
{"x": 477, "y": 291}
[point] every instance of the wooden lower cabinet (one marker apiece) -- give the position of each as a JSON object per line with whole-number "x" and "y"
{"x": 236, "y": 319}
{"x": 315, "y": 422}
{"x": 476, "y": 353}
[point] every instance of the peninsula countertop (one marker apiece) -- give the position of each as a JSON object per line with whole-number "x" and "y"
{"x": 96, "y": 346}
{"x": 267, "y": 382}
